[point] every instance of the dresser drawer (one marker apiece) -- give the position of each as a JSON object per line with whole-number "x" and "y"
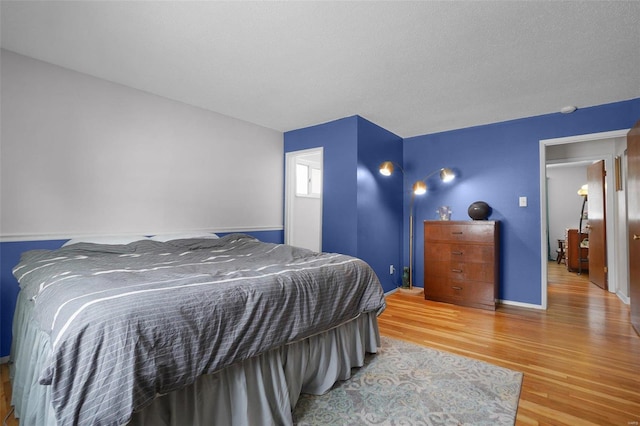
{"x": 461, "y": 271}
{"x": 469, "y": 232}
{"x": 458, "y": 252}
{"x": 469, "y": 293}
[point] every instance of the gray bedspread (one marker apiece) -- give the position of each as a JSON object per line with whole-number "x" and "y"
{"x": 128, "y": 322}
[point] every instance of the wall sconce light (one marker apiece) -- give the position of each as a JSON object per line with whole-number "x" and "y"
{"x": 418, "y": 188}
{"x": 386, "y": 168}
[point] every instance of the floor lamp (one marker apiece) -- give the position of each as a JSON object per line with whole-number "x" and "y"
{"x": 418, "y": 188}
{"x": 583, "y": 192}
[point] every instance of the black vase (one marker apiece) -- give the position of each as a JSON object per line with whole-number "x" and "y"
{"x": 479, "y": 210}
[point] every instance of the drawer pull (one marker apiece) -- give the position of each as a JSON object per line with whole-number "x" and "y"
{"x": 456, "y": 232}
{"x": 456, "y": 270}
{"x": 456, "y": 288}
{"x": 457, "y": 253}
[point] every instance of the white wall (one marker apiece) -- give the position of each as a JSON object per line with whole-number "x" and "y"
{"x": 81, "y": 155}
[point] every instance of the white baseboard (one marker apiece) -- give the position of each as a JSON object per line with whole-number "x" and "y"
{"x": 520, "y": 304}
{"x": 625, "y": 299}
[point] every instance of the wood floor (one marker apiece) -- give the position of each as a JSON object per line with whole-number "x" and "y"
{"x": 580, "y": 358}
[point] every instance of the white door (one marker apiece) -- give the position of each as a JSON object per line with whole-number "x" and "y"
{"x": 303, "y": 199}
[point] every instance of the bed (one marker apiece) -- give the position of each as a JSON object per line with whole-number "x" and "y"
{"x": 192, "y": 331}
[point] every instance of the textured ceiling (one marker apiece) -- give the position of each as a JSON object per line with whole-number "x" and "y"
{"x": 411, "y": 67}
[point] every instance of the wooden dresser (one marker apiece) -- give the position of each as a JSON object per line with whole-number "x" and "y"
{"x": 461, "y": 262}
{"x": 575, "y": 250}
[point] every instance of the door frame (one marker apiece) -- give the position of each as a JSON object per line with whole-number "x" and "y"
{"x": 290, "y": 190}
{"x": 610, "y": 203}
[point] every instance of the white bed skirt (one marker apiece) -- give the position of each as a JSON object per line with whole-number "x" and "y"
{"x": 260, "y": 391}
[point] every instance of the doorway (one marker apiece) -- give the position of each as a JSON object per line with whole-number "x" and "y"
{"x": 303, "y": 198}
{"x": 586, "y": 148}
{"x": 564, "y": 206}
{"x": 572, "y": 223}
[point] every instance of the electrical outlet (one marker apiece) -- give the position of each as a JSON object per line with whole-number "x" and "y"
{"x": 392, "y": 270}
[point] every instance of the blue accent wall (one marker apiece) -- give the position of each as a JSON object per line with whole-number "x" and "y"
{"x": 498, "y": 163}
{"x": 10, "y": 256}
{"x": 339, "y": 210}
{"x": 361, "y": 212}
{"x": 379, "y": 229}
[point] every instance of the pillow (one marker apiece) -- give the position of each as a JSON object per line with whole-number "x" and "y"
{"x": 183, "y": 236}
{"x": 106, "y": 239}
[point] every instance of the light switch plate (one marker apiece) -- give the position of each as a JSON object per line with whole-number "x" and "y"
{"x": 523, "y": 201}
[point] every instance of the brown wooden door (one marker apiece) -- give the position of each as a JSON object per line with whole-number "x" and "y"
{"x": 597, "y": 222}
{"x": 633, "y": 218}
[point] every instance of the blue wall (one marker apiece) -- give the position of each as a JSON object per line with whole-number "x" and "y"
{"x": 10, "y": 256}
{"x": 498, "y": 163}
{"x": 379, "y": 230}
{"x": 361, "y": 210}
{"x": 339, "y": 209}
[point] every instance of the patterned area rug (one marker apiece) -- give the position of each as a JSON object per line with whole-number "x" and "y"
{"x": 407, "y": 384}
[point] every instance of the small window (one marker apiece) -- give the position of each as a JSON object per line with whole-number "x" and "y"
{"x": 316, "y": 182}
{"x": 308, "y": 180}
{"x": 302, "y": 179}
